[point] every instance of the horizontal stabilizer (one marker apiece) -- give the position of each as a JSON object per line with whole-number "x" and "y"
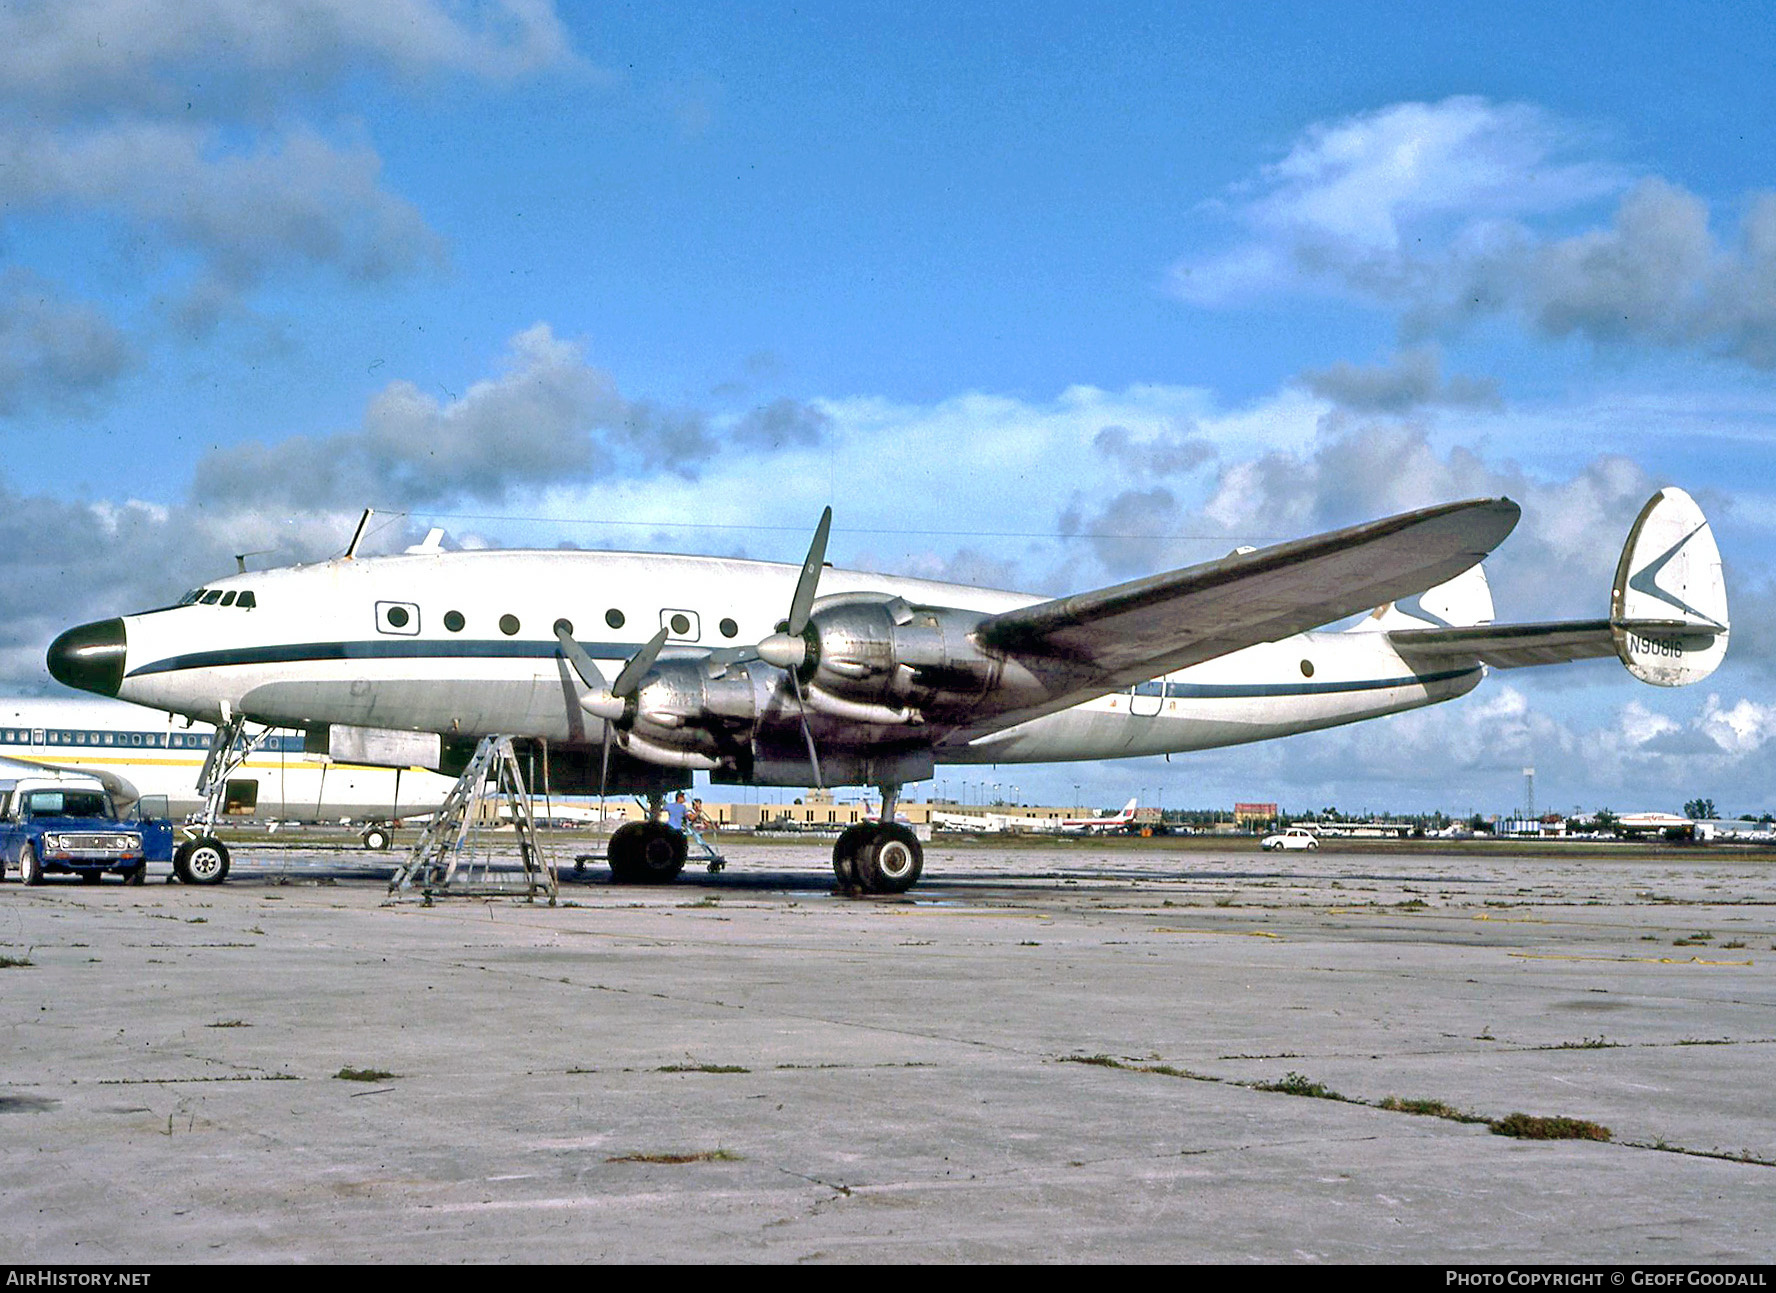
{"x": 1517, "y": 646}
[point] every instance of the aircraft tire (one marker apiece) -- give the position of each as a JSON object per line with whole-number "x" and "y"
{"x": 203, "y": 860}
{"x": 663, "y": 852}
{"x": 891, "y": 861}
{"x": 378, "y": 838}
{"x": 851, "y": 840}
{"x": 30, "y": 869}
{"x": 620, "y": 853}
{"x": 647, "y": 853}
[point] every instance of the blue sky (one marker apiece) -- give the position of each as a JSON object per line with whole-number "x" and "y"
{"x": 1042, "y": 297}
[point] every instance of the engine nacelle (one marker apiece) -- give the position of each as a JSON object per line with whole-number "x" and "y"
{"x": 693, "y": 704}
{"x": 887, "y": 653}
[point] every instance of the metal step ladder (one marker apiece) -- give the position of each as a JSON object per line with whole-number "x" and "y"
{"x": 464, "y": 852}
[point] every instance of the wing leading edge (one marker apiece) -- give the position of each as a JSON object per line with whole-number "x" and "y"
{"x": 1133, "y": 631}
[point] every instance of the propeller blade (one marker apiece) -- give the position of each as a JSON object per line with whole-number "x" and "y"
{"x": 808, "y": 736}
{"x": 809, "y": 582}
{"x": 629, "y": 681}
{"x": 581, "y": 662}
{"x": 604, "y": 764}
{"x": 788, "y": 648}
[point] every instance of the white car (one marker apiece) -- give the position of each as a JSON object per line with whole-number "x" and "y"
{"x": 1295, "y": 837}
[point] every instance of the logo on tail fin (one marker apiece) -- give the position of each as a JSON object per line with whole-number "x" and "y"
{"x": 1646, "y": 580}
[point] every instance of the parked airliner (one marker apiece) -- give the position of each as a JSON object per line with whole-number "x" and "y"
{"x": 1098, "y": 825}
{"x": 639, "y": 669}
{"x": 148, "y": 753}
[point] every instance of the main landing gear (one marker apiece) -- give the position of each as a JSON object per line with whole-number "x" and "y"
{"x": 647, "y": 852}
{"x": 881, "y": 856}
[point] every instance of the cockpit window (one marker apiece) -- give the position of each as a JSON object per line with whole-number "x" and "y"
{"x": 242, "y": 598}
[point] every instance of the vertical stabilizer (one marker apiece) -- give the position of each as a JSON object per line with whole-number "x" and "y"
{"x": 1668, "y": 607}
{"x": 1462, "y": 602}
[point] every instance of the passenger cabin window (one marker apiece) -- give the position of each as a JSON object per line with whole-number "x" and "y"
{"x": 682, "y": 625}
{"x": 397, "y": 617}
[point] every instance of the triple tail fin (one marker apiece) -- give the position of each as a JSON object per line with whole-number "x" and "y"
{"x": 1668, "y": 610}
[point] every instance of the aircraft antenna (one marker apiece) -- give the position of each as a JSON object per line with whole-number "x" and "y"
{"x": 351, "y": 549}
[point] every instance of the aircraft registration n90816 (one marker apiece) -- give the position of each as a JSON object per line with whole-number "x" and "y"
{"x": 640, "y": 669}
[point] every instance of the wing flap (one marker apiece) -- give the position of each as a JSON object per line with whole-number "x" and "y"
{"x": 1134, "y": 631}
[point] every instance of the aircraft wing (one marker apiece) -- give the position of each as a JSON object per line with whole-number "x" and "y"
{"x": 1132, "y": 632}
{"x": 123, "y": 791}
{"x": 1517, "y": 646}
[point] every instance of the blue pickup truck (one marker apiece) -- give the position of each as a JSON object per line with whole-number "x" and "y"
{"x": 67, "y": 822}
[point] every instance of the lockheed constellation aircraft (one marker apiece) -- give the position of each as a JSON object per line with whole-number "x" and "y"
{"x": 639, "y": 669}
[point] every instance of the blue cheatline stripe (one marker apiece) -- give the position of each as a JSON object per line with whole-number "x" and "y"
{"x": 515, "y": 650}
{"x": 291, "y": 653}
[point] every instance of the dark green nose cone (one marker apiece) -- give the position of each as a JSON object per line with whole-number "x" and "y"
{"x": 90, "y": 657}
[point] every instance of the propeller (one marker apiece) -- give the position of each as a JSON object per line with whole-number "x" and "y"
{"x": 789, "y": 647}
{"x": 609, "y": 703}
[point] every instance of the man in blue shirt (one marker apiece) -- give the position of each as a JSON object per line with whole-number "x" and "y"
{"x": 676, "y": 811}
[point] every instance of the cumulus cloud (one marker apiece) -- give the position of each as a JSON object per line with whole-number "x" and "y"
{"x": 1431, "y": 209}
{"x": 782, "y": 423}
{"x": 1346, "y": 208}
{"x": 1169, "y": 451}
{"x": 150, "y": 56}
{"x": 1412, "y": 379}
{"x": 549, "y": 416}
{"x": 1657, "y": 275}
{"x": 53, "y": 351}
{"x": 292, "y": 198}
{"x": 198, "y": 136}
{"x": 70, "y": 562}
{"x": 1558, "y": 563}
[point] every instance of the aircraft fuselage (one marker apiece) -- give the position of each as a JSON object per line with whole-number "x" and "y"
{"x": 463, "y": 644}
